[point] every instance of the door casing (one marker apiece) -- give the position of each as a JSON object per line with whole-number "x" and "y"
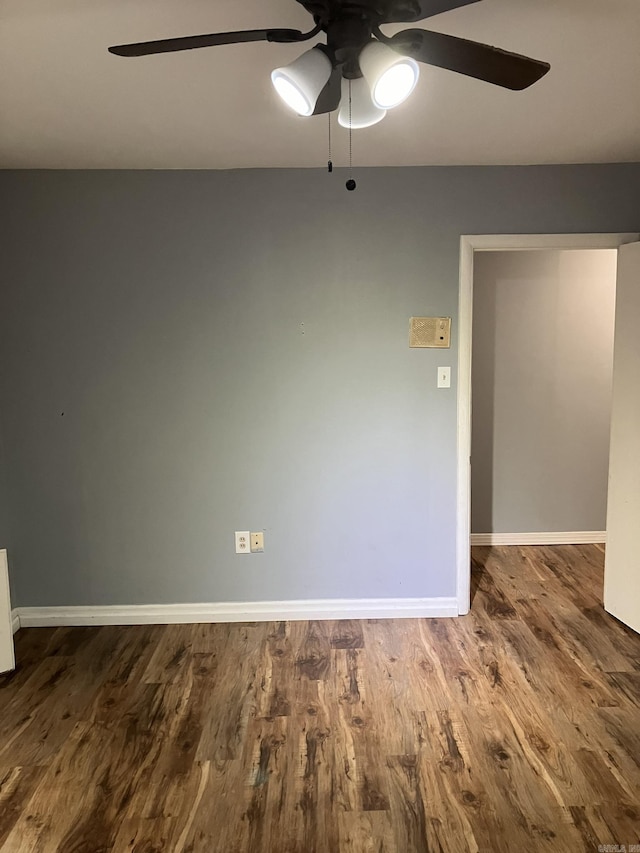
{"x": 7, "y": 656}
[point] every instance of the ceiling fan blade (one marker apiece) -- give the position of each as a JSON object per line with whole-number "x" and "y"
{"x": 146, "y": 48}
{"x": 491, "y": 64}
{"x": 329, "y": 97}
{"x": 424, "y": 9}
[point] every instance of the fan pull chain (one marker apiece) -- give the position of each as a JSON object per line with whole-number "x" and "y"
{"x": 330, "y": 162}
{"x": 351, "y": 184}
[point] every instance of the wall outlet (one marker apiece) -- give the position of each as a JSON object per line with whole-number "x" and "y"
{"x": 242, "y": 542}
{"x": 257, "y": 542}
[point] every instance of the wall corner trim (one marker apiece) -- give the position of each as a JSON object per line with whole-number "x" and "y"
{"x": 232, "y": 611}
{"x": 15, "y": 620}
{"x": 571, "y": 537}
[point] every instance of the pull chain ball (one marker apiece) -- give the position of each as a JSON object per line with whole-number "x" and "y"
{"x": 351, "y": 184}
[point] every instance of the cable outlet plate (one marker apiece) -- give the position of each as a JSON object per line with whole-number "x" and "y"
{"x": 257, "y": 542}
{"x": 242, "y": 542}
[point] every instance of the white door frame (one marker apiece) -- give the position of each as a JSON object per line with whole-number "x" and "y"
{"x": 470, "y": 243}
{"x": 7, "y": 656}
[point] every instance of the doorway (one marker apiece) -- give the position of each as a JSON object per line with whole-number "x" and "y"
{"x": 468, "y": 246}
{"x": 542, "y": 372}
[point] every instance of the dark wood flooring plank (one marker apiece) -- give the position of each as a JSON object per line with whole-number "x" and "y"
{"x": 171, "y": 652}
{"x": 313, "y": 656}
{"x": 347, "y": 634}
{"x": 233, "y": 696}
{"x": 17, "y": 786}
{"x": 276, "y": 686}
{"x": 39, "y": 720}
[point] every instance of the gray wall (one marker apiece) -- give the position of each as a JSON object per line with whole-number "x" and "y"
{"x": 542, "y": 367}
{"x": 190, "y": 353}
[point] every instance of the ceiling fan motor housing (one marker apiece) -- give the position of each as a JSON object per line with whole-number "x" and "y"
{"x": 376, "y": 11}
{"x": 349, "y": 25}
{"x": 345, "y": 39}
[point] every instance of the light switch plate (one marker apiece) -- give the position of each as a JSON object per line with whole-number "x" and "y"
{"x": 444, "y": 377}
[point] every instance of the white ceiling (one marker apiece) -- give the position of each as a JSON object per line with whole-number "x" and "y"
{"x": 67, "y": 103}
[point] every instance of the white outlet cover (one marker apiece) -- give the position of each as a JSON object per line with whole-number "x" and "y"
{"x": 243, "y": 542}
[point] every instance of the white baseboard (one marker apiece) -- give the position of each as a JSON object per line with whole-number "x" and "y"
{"x": 15, "y": 620}
{"x": 253, "y": 611}
{"x": 571, "y": 537}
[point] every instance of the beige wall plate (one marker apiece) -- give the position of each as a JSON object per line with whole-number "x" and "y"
{"x": 430, "y": 332}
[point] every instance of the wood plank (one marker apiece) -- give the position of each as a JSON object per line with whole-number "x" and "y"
{"x": 17, "y": 786}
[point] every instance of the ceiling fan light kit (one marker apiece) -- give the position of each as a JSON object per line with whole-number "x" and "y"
{"x": 386, "y": 80}
{"x": 300, "y": 82}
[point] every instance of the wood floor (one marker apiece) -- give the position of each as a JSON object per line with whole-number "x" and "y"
{"x": 515, "y": 728}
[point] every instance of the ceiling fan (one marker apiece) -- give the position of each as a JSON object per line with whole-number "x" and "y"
{"x": 361, "y": 71}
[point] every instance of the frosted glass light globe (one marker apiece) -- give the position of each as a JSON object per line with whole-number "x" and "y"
{"x": 391, "y": 76}
{"x": 300, "y": 82}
